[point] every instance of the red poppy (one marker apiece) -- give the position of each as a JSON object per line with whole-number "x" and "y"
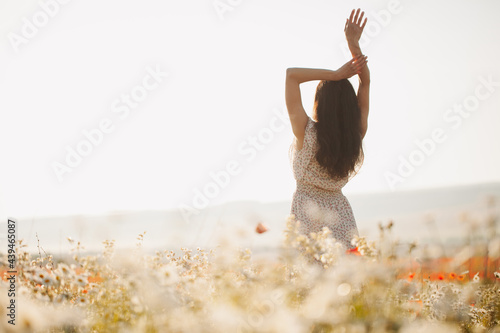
{"x": 353, "y": 251}
{"x": 261, "y": 228}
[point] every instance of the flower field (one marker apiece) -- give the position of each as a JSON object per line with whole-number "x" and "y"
{"x": 379, "y": 286}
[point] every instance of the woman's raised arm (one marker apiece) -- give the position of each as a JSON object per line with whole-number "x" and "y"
{"x": 353, "y": 29}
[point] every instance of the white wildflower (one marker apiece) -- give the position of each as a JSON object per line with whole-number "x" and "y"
{"x": 81, "y": 280}
{"x": 81, "y": 300}
{"x": 49, "y": 281}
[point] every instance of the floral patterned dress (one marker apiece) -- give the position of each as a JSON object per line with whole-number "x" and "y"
{"x": 318, "y": 200}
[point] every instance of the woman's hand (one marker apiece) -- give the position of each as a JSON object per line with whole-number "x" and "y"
{"x": 353, "y": 27}
{"x": 352, "y": 67}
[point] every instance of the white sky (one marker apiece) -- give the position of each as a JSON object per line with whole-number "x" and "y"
{"x": 225, "y": 78}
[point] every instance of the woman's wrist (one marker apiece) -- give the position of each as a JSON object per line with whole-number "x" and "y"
{"x": 354, "y": 48}
{"x": 352, "y": 41}
{"x": 336, "y": 75}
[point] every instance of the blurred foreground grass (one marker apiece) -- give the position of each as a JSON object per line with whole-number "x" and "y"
{"x": 376, "y": 287}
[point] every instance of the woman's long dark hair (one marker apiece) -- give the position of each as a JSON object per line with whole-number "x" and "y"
{"x": 338, "y": 127}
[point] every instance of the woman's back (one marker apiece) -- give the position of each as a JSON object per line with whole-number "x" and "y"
{"x": 306, "y": 169}
{"x": 318, "y": 200}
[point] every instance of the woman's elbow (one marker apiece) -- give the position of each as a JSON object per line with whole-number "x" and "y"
{"x": 290, "y": 72}
{"x": 364, "y": 129}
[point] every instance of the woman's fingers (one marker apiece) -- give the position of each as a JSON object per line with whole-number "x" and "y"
{"x": 360, "y": 65}
{"x": 359, "y": 58}
{"x": 355, "y": 65}
{"x": 364, "y": 23}
{"x": 356, "y": 16}
{"x": 357, "y": 19}
{"x": 352, "y": 15}
{"x": 359, "y": 62}
{"x": 360, "y": 18}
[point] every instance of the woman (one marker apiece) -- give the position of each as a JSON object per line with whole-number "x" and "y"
{"x": 327, "y": 149}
